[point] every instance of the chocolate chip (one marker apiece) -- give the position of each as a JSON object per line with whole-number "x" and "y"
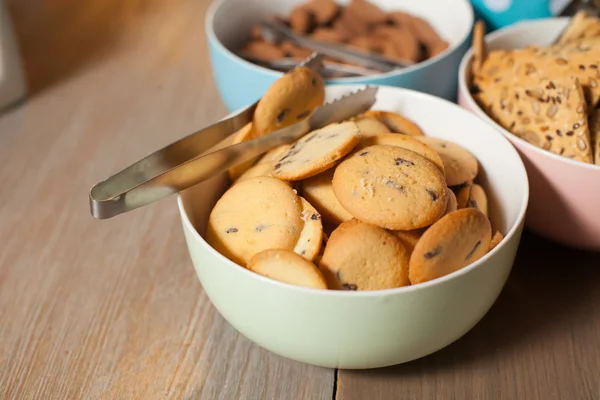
{"x": 558, "y": 132}
{"x": 349, "y": 286}
{"x": 277, "y": 166}
{"x": 282, "y": 114}
{"x": 364, "y": 153}
{"x": 231, "y": 230}
{"x": 558, "y": 100}
{"x": 593, "y": 66}
{"x": 473, "y": 203}
{"x": 570, "y": 133}
{"x": 562, "y": 150}
{"x": 512, "y": 125}
{"x": 403, "y": 161}
{"x": 303, "y": 252}
{"x": 474, "y": 249}
{"x": 443, "y": 145}
{"x": 315, "y": 217}
{"x": 435, "y": 252}
{"x": 314, "y": 82}
{"x": 310, "y": 138}
{"x": 582, "y": 67}
{"x": 475, "y": 89}
{"x": 519, "y": 112}
{"x": 576, "y": 125}
{"x": 303, "y": 114}
{"x": 392, "y": 184}
{"x": 432, "y": 194}
{"x": 260, "y": 228}
{"x": 549, "y": 137}
{"x": 517, "y": 96}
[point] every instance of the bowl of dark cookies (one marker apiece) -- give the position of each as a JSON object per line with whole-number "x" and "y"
{"x": 415, "y": 45}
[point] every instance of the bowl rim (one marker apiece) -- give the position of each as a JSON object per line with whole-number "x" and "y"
{"x": 381, "y": 292}
{"x": 466, "y": 94}
{"x": 212, "y": 37}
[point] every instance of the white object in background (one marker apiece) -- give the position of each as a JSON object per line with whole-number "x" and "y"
{"x": 12, "y": 76}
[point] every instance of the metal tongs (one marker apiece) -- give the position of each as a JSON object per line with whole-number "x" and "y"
{"x": 208, "y": 152}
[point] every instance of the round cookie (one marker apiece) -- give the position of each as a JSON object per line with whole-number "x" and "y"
{"x": 370, "y": 126}
{"x": 459, "y": 164}
{"x": 274, "y": 154}
{"x": 319, "y": 192}
{"x": 254, "y": 215}
{"x": 241, "y": 136}
{"x": 391, "y": 187}
{"x": 396, "y": 122}
{"x": 260, "y": 169}
{"x": 478, "y": 199}
{"x": 452, "y": 204}
{"x": 455, "y": 241}
{"x": 409, "y": 238}
{"x": 288, "y": 100}
{"x": 311, "y": 237}
{"x": 317, "y": 151}
{"x": 496, "y": 239}
{"x": 361, "y": 256}
{"x": 287, "y": 266}
{"x": 406, "y": 142}
{"x": 463, "y": 193}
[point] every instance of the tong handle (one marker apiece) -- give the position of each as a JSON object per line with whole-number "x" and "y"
{"x": 367, "y": 60}
{"x": 159, "y": 174}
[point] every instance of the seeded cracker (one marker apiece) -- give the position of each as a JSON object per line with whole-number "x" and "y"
{"x": 550, "y": 115}
{"x": 595, "y": 134}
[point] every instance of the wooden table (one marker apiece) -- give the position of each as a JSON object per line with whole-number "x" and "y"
{"x": 113, "y": 310}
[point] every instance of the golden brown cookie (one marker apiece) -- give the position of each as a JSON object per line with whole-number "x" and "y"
{"x": 370, "y": 126}
{"x": 452, "y": 204}
{"x": 291, "y": 50}
{"x": 263, "y": 50}
{"x": 300, "y": 20}
{"x": 463, "y": 193}
{"x": 242, "y": 135}
{"x": 404, "y": 141}
{"x": 254, "y": 215}
{"x": 311, "y": 237}
{"x": 400, "y": 43}
{"x": 460, "y": 165}
{"x": 260, "y": 169}
{"x": 317, "y": 151}
{"x": 287, "y": 266}
{"x": 366, "y": 12}
{"x": 319, "y": 192}
{"x": 360, "y": 256}
{"x": 455, "y": 241}
{"x": 409, "y": 238}
{"x": 288, "y": 100}
{"x": 437, "y": 48}
{"x": 391, "y": 187}
{"x": 396, "y": 122}
{"x": 496, "y": 239}
{"x": 478, "y": 199}
{"x": 329, "y": 35}
{"x": 324, "y": 11}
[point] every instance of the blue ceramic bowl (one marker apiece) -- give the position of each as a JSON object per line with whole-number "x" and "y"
{"x": 228, "y": 25}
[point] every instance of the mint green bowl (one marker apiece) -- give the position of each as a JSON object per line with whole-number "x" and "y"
{"x": 353, "y": 330}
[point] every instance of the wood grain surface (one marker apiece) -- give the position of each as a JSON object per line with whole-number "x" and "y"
{"x": 113, "y": 310}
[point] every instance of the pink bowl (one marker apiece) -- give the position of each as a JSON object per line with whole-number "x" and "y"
{"x": 564, "y": 203}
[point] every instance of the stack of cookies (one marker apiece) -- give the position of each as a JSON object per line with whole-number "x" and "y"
{"x": 365, "y": 204}
{"x": 360, "y": 25}
{"x": 547, "y": 96}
